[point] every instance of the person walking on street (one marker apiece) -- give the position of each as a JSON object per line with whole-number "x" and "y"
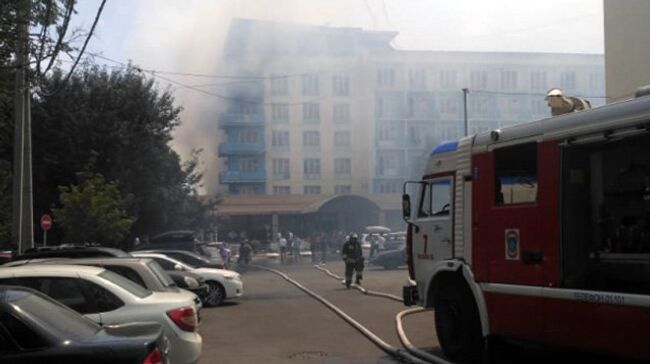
{"x": 314, "y": 245}
{"x": 353, "y": 258}
{"x": 295, "y": 245}
{"x": 282, "y": 242}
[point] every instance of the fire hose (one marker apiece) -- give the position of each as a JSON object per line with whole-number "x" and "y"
{"x": 400, "y": 354}
{"x": 398, "y": 320}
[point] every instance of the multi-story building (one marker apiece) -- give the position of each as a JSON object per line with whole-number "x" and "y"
{"x": 318, "y": 112}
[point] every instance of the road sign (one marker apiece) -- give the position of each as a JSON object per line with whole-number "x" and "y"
{"x": 46, "y": 222}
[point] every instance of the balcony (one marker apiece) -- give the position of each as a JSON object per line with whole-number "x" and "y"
{"x": 242, "y": 177}
{"x": 234, "y": 148}
{"x": 241, "y": 120}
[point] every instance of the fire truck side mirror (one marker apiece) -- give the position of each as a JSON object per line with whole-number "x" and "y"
{"x": 406, "y": 206}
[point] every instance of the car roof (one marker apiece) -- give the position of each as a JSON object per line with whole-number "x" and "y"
{"x": 99, "y": 260}
{"x": 53, "y": 269}
{"x": 165, "y": 251}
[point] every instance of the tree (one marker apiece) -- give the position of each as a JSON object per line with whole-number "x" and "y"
{"x": 93, "y": 211}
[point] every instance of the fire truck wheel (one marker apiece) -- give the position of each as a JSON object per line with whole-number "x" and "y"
{"x": 458, "y": 324}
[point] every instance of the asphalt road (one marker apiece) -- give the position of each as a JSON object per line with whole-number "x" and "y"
{"x": 275, "y": 322}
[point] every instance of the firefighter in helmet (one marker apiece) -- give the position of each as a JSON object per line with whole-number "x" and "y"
{"x": 353, "y": 258}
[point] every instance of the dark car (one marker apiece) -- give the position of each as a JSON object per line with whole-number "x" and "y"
{"x": 176, "y": 240}
{"x": 390, "y": 259}
{"x": 36, "y": 329}
{"x": 188, "y": 258}
{"x": 73, "y": 252}
{"x": 5, "y": 256}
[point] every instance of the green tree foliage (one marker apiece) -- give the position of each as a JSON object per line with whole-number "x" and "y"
{"x": 117, "y": 123}
{"x": 93, "y": 211}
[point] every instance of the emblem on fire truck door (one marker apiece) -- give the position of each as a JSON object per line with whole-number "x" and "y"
{"x": 512, "y": 244}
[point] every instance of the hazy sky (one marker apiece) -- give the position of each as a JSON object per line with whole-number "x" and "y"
{"x": 187, "y": 35}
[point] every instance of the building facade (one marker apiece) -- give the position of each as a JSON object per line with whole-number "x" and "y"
{"x": 323, "y": 111}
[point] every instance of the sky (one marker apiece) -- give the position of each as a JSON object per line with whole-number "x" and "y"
{"x": 187, "y": 35}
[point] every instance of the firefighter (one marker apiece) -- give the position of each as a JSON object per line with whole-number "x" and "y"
{"x": 353, "y": 258}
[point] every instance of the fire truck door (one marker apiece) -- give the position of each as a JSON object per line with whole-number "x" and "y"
{"x": 511, "y": 224}
{"x": 433, "y": 240}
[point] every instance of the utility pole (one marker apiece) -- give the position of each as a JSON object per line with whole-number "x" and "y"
{"x": 465, "y": 92}
{"x": 22, "y": 229}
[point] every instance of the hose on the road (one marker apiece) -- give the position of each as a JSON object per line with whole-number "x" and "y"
{"x": 384, "y": 346}
{"x": 398, "y": 320}
{"x": 359, "y": 288}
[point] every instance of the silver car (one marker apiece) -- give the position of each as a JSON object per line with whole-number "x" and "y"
{"x": 108, "y": 298}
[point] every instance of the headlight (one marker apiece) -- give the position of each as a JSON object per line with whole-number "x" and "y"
{"x": 191, "y": 283}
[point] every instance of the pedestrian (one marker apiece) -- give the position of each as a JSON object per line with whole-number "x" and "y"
{"x": 290, "y": 246}
{"x": 282, "y": 242}
{"x": 314, "y": 245}
{"x": 324, "y": 241}
{"x": 374, "y": 245}
{"x": 245, "y": 250}
{"x": 295, "y": 246}
{"x": 353, "y": 258}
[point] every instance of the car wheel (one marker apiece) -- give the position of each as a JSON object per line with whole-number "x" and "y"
{"x": 458, "y": 324}
{"x": 217, "y": 294}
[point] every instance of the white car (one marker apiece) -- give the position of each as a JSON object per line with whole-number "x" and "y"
{"x": 108, "y": 298}
{"x": 224, "y": 284}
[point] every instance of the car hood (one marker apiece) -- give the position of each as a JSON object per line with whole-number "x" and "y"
{"x": 215, "y": 271}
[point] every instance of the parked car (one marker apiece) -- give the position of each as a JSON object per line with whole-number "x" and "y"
{"x": 191, "y": 282}
{"x": 187, "y": 257}
{"x": 390, "y": 259}
{"x": 108, "y": 298}
{"x": 5, "y": 256}
{"x": 72, "y": 252}
{"x": 178, "y": 240}
{"x": 36, "y": 329}
{"x": 224, "y": 284}
{"x": 143, "y": 271}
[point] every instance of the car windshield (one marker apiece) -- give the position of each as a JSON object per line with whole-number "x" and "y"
{"x": 126, "y": 284}
{"x": 164, "y": 278}
{"x": 55, "y": 317}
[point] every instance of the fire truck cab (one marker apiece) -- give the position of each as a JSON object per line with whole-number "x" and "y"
{"x": 538, "y": 232}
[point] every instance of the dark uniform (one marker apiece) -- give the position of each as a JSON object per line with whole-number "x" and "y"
{"x": 353, "y": 258}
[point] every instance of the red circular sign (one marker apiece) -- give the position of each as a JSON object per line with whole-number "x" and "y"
{"x": 46, "y": 222}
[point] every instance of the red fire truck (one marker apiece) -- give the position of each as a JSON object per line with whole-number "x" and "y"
{"x": 538, "y": 232}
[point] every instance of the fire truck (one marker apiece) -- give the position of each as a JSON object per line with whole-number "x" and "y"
{"x": 537, "y": 232}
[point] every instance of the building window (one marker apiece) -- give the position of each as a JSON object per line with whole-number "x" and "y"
{"x": 538, "y": 81}
{"x": 478, "y": 106}
{"x": 341, "y": 113}
{"x": 279, "y": 85}
{"x": 312, "y": 190}
{"x": 509, "y": 106}
{"x": 245, "y": 190}
{"x": 310, "y": 85}
{"x": 449, "y": 106}
{"x": 386, "y": 77}
{"x": 539, "y": 107}
{"x": 342, "y": 189}
{"x": 415, "y": 135}
{"x": 311, "y": 139}
{"x": 478, "y": 80}
{"x": 280, "y": 113}
{"x": 340, "y": 85}
{"x": 448, "y": 79}
{"x": 342, "y": 139}
{"x": 281, "y": 190}
{"x": 515, "y": 172}
{"x": 388, "y": 133}
{"x": 310, "y": 113}
{"x": 568, "y": 80}
{"x": 280, "y": 138}
{"x": 449, "y": 132}
{"x": 249, "y": 136}
{"x": 388, "y": 187}
{"x": 311, "y": 168}
{"x": 379, "y": 107}
{"x": 249, "y": 165}
{"x": 388, "y": 165}
{"x": 508, "y": 80}
{"x": 417, "y": 79}
{"x": 281, "y": 168}
{"x": 596, "y": 83}
{"x": 342, "y": 167}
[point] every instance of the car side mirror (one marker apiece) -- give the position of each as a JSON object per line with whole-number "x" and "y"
{"x": 406, "y": 206}
{"x": 178, "y": 267}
